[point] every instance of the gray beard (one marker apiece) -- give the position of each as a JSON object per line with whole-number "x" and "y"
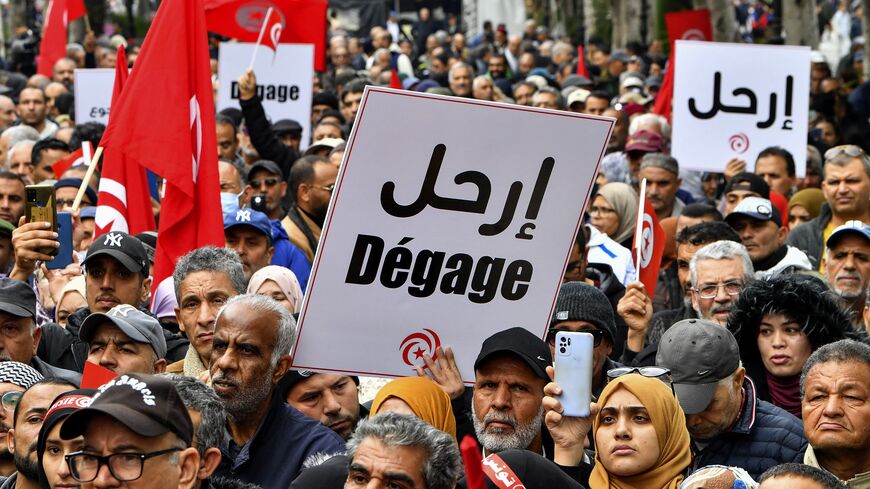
{"x": 520, "y": 438}
{"x": 250, "y": 397}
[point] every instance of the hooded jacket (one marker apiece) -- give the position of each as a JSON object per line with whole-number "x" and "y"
{"x": 809, "y": 236}
{"x": 793, "y": 261}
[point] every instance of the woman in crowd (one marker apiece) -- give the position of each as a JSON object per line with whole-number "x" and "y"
{"x": 614, "y": 212}
{"x": 278, "y": 283}
{"x": 50, "y": 448}
{"x": 72, "y": 297}
{"x": 420, "y": 397}
{"x": 778, "y": 323}
{"x": 804, "y": 205}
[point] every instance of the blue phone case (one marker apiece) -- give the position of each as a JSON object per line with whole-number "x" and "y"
{"x": 64, "y": 235}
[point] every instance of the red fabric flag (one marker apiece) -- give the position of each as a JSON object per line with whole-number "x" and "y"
{"x": 581, "y": 63}
{"x": 164, "y": 120}
{"x": 689, "y": 25}
{"x": 472, "y": 458}
{"x": 303, "y": 21}
{"x": 124, "y": 203}
{"x": 652, "y": 246}
{"x": 95, "y": 375}
{"x": 395, "y": 81}
{"x": 665, "y": 96}
{"x": 75, "y": 158}
{"x": 75, "y": 9}
{"x": 272, "y": 31}
{"x": 54, "y": 37}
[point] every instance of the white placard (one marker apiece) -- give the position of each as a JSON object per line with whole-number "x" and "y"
{"x": 283, "y": 83}
{"x": 734, "y": 100}
{"x": 93, "y": 94}
{"x": 451, "y": 219}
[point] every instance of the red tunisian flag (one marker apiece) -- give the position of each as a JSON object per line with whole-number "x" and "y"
{"x": 691, "y": 25}
{"x": 164, "y": 120}
{"x": 58, "y": 14}
{"x": 304, "y": 22}
{"x": 581, "y": 63}
{"x": 124, "y": 203}
{"x": 76, "y": 158}
{"x": 649, "y": 244}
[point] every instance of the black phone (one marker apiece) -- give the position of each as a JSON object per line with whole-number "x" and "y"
{"x": 258, "y": 203}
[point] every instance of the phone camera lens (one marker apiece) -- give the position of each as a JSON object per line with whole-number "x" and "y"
{"x": 562, "y": 350}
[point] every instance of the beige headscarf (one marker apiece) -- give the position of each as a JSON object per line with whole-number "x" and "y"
{"x": 623, "y": 199}
{"x": 286, "y": 280}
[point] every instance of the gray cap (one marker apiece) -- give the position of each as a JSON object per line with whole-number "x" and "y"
{"x": 17, "y": 298}
{"x": 699, "y": 353}
{"x": 140, "y": 327}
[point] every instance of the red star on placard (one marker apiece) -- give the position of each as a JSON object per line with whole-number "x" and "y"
{"x": 418, "y": 353}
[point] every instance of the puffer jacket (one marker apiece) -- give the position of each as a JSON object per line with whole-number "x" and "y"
{"x": 764, "y": 436}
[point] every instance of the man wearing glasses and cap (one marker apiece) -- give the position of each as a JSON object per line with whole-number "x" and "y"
{"x": 846, "y": 184}
{"x": 728, "y": 424}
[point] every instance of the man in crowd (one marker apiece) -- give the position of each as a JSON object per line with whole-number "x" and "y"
{"x": 662, "y": 175}
{"x": 64, "y": 72}
{"x": 396, "y": 450}
{"x": 227, "y": 138}
{"x": 776, "y": 166}
{"x": 204, "y": 280}
{"x": 741, "y": 186}
{"x": 459, "y": 77}
{"x": 7, "y": 112}
{"x": 697, "y": 213}
{"x": 140, "y": 414}
{"x": 846, "y": 186}
{"x": 835, "y": 383}
{"x": 45, "y": 153}
{"x": 14, "y": 135}
{"x": 728, "y": 423}
{"x": 33, "y": 111}
{"x": 718, "y": 272}
{"x": 847, "y": 266}
{"x": 251, "y": 352}
{"x": 11, "y": 197}
{"x": 761, "y": 229}
{"x": 331, "y": 399}
{"x": 18, "y": 159}
{"x": 21, "y": 439}
{"x": 125, "y": 340}
{"x": 249, "y": 234}
{"x": 289, "y": 132}
{"x": 312, "y": 181}
{"x": 15, "y": 378}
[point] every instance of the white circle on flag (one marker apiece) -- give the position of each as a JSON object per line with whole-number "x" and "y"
{"x": 647, "y": 241}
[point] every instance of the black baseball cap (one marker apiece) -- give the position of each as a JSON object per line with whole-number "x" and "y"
{"x": 285, "y": 126}
{"x": 521, "y": 342}
{"x": 17, "y": 298}
{"x": 121, "y": 246}
{"x": 699, "y": 353}
{"x": 269, "y": 166}
{"x": 748, "y": 181}
{"x": 147, "y": 405}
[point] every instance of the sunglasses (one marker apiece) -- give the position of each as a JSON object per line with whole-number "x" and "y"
{"x": 660, "y": 373}
{"x": 597, "y": 335}
{"x": 848, "y": 149}
{"x": 270, "y": 182}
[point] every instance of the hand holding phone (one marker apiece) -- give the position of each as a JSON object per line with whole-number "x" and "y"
{"x": 41, "y": 207}
{"x": 574, "y": 372}
{"x": 64, "y": 254}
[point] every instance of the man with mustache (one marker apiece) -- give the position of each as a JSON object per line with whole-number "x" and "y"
{"x": 125, "y": 340}
{"x": 760, "y": 227}
{"x": 718, "y": 272}
{"x": 662, "y": 175}
{"x": 116, "y": 273}
{"x": 268, "y": 441}
{"x": 331, "y": 399}
{"x": 312, "y": 180}
{"x": 248, "y": 233}
{"x": 847, "y": 266}
{"x": 15, "y": 378}
{"x": 21, "y": 439}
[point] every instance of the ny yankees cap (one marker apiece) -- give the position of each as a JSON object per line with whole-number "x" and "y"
{"x": 249, "y": 217}
{"x": 699, "y": 353}
{"x": 137, "y": 325}
{"x": 121, "y": 246}
{"x": 147, "y": 405}
{"x": 522, "y": 343}
{"x": 17, "y": 298}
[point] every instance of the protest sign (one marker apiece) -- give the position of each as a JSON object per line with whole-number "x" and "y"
{"x": 286, "y": 94}
{"x": 735, "y": 100}
{"x": 93, "y": 94}
{"x": 451, "y": 219}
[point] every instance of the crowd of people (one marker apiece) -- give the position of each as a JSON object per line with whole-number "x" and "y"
{"x": 749, "y": 365}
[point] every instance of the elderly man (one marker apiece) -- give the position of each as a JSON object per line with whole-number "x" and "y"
{"x": 718, "y": 271}
{"x": 835, "y": 384}
{"x": 761, "y": 229}
{"x": 776, "y": 166}
{"x": 125, "y": 340}
{"x": 331, "y": 399}
{"x": 846, "y": 186}
{"x": 21, "y": 439}
{"x": 847, "y": 266}
{"x": 138, "y": 415}
{"x": 396, "y": 450}
{"x": 459, "y": 78}
{"x": 662, "y": 175}
{"x": 204, "y": 280}
{"x": 268, "y": 441}
{"x": 18, "y": 159}
{"x": 15, "y": 378}
{"x": 728, "y": 423}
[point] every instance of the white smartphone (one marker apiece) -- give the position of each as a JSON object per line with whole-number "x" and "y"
{"x": 574, "y": 372}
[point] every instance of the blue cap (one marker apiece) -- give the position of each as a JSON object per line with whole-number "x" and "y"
{"x": 857, "y": 228}
{"x": 249, "y": 217}
{"x": 76, "y": 183}
{"x": 88, "y": 213}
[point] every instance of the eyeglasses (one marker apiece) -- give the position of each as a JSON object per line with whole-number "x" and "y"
{"x": 847, "y": 149}
{"x": 710, "y": 291}
{"x": 270, "y": 182}
{"x": 660, "y": 373}
{"x": 9, "y": 400}
{"x": 328, "y": 188}
{"x": 597, "y": 335}
{"x": 61, "y": 203}
{"x": 125, "y": 467}
{"x": 600, "y": 210}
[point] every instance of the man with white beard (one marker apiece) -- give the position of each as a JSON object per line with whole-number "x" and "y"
{"x": 847, "y": 266}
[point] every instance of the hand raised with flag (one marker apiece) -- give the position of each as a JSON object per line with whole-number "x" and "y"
{"x": 248, "y": 85}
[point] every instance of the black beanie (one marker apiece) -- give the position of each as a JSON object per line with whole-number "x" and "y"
{"x": 579, "y": 301}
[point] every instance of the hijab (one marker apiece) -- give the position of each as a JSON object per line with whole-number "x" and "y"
{"x": 428, "y": 401}
{"x": 623, "y": 199}
{"x": 810, "y": 199}
{"x": 286, "y": 280}
{"x": 667, "y": 417}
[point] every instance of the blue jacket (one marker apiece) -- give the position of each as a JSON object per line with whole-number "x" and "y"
{"x": 764, "y": 436}
{"x": 273, "y": 457}
{"x": 287, "y": 255}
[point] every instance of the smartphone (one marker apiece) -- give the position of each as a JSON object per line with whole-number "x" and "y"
{"x": 574, "y": 371}
{"x": 65, "y": 236}
{"x": 41, "y": 207}
{"x": 258, "y": 203}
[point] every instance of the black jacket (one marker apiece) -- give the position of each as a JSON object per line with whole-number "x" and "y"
{"x": 764, "y": 436}
{"x": 51, "y": 372}
{"x": 808, "y": 236}
{"x": 62, "y": 347}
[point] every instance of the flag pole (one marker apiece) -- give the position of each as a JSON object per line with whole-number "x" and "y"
{"x": 638, "y": 230}
{"x": 260, "y": 37}
{"x": 91, "y": 167}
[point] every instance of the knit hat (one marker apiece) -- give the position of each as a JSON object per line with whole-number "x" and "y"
{"x": 579, "y": 301}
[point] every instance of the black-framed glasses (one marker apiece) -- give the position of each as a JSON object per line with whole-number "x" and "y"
{"x": 327, "y": 188}
{"x": 709, "y": 291}
{"x": 9, "y": 399}
{"x": 850, "y": 150}
{"x": 660, "y": 373}
{"x": 124, "y": 467}
{"x": 270, "y": 182}
{"x": 597, "y": 335}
